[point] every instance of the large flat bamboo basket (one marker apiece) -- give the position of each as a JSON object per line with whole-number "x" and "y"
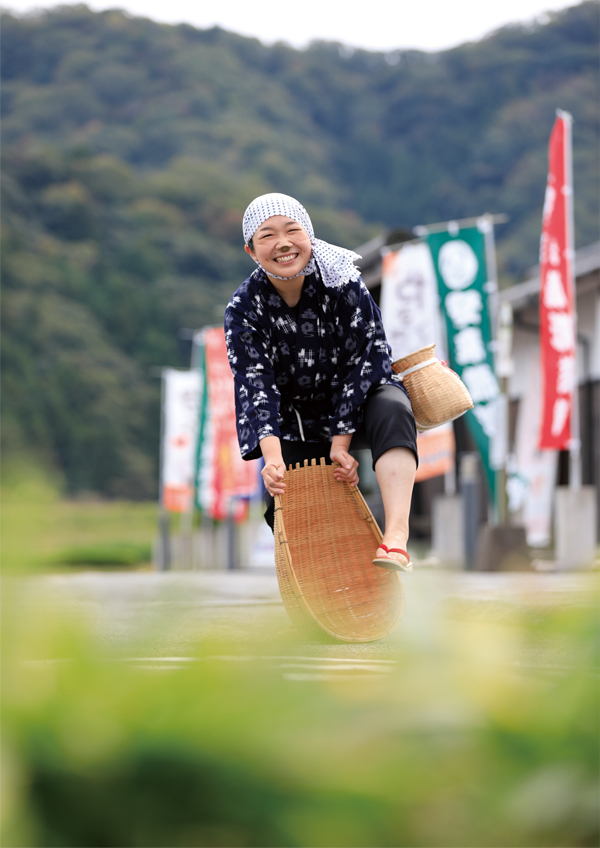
{"x": 325, "y": 541}
{"x": 437, "y": 394}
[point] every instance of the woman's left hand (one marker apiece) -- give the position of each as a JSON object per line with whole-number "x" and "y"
{"x": 347, "y": 470}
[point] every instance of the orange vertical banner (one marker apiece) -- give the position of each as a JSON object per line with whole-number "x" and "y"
{"x": 230, "y": 476}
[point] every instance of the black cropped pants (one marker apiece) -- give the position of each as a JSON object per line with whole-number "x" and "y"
{"x": 388, "y": 422}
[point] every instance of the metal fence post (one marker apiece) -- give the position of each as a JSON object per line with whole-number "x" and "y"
{"x": 232, "y": 537}
{"x": 470, "y": 492}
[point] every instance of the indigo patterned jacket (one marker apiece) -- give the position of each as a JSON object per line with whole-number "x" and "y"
{"x": 313, "y": 363}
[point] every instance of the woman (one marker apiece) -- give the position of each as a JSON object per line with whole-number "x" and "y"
{"x": 312, "y": 367}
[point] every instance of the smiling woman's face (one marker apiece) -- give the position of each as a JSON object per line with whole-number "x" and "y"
{"x": 281, "y": 246}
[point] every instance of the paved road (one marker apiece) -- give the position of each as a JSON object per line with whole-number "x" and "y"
{"x": 161, "y": 617}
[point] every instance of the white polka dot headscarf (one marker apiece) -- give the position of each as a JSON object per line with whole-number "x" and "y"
{"x": 336, "y": 264}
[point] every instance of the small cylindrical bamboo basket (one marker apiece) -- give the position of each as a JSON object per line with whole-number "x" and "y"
{"x": 325, "y": 541}
{"x": 437, "y": 394}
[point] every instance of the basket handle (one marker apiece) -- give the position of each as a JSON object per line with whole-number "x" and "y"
{"x": 417, "y": 367}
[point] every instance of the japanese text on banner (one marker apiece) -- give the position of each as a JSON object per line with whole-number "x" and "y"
{"x": 460, "y": 262}
{"x": 181, "y": 394}
{"x": 410, "y": 310}
{"x": 229, "y": 475}
{"x": 557, "y": 320}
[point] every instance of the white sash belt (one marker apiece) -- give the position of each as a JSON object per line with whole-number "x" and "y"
{"x": 300, "y": 427}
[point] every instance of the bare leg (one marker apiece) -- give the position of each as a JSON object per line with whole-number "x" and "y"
{"x": 395, "y": 471}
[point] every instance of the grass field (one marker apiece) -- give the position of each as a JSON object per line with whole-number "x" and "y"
{"x": 41, "y": 529}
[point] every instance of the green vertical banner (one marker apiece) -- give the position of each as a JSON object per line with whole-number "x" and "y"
{"x": 459, "y": 257}
{"x": 200, "y": 364}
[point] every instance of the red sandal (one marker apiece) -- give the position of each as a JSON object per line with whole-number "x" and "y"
{"x": 393, "y": 564}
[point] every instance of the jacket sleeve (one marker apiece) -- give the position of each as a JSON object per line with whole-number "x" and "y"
{"x": 257, "y": 397}
{"x": 364, "y": 356}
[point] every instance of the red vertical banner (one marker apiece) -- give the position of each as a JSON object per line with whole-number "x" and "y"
{"x": 557, "y": 314}
{"x": 230, "y": 475}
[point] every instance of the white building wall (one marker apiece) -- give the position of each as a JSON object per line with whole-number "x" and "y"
{"x": 588, "y": 327}
{"x": 526, "y": 345}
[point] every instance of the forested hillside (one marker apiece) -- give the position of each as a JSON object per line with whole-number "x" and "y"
{"x": 130, "y": 150}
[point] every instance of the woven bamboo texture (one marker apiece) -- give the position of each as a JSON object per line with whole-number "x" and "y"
{"x": 437, "y": 394}
{"x": 325, "y": 541}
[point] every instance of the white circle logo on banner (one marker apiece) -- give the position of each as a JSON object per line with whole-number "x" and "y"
{"x": 458, "y": 264}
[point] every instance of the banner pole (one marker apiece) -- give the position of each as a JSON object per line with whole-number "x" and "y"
{"x": 164, "y": 546}
{"x": 423, "y": 230}
{"x": 186, "y": 521}
{"x": 504, "y": 368}
{"x": 575, "y": 442}
{"x": 499, "y": 512}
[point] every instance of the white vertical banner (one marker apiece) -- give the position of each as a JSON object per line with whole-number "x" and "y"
{"x": 181, "y": 398}
{"x": 531, "y": 488}
{"x": 410, "y": 310}
{"x": 410, "y": 301}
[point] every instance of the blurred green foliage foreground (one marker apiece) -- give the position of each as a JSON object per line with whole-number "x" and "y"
{"x": 462, "y": 742}
{"x": 453, "y": 747}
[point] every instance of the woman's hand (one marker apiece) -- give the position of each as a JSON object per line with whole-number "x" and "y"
{"x": 274, "y": 469}
{"x": 347, "y": 470}
{"x": 272, "y": 475}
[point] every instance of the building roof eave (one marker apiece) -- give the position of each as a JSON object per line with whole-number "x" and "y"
{"x": 587, "y": 260}
{"x": 370, "y": 251}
